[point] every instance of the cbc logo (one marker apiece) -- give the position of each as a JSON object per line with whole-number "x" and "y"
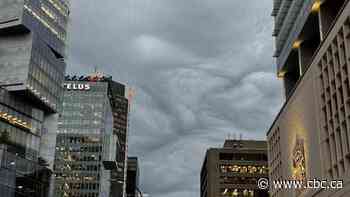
{"x": 263, "y": 183}
{"x": 73, "y": 86}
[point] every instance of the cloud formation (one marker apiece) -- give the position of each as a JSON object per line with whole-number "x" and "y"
{"x": 201, "y": 68}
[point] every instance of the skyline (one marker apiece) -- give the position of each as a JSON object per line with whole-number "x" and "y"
{"x": 200, "y": 73}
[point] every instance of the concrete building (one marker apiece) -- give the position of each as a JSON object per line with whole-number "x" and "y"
{"x": 132, "y": 178}
{"x": 32, "y": 43}
{"x": 90, "y": 150}
{"x": 310, "y": 136}
{"x": 234, "y": 170}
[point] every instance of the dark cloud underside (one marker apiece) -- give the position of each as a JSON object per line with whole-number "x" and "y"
{"x": 201, "y": 68}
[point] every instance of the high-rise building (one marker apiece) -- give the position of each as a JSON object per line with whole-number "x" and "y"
{"x": 32, "y": 43}
{"x": 132, "y": 178}
{"x": 234, "y": 170}
{"x": 310, "y": 137}
{"x": 91, "y": 140}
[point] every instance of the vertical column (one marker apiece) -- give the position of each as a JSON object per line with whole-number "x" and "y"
{"x": 305, "y": 53}
{"x": 325, "y": 16}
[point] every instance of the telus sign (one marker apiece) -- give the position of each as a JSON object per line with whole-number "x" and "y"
{"x": 74, "y": 86}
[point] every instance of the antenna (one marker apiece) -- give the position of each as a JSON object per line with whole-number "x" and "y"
{"x": 240, "y": 136}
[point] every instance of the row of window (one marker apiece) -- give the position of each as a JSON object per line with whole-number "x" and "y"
{"x": 75, "y": 129}
{"x": 82, "y": 122}
{"x": 30, "y": 142}
{"x": 78, "y": 194}
{"x": 77, "y": 157}
{"x": 86, "y": 96}
{"x": 239, "y": 180}
{"x": 77, "y": 177}
{"x": 82, "y": 186}
{"x": 61, "y": 7}
{"x": 9, "y": 102}
{"x": 83, "y": 149}
{"x": 83, "y": 106}
{"x": 19, "y": 120}
{"x": 54, "y": 15}
{"x": 77, "y": 167}
{"x": 80, "y": 115}
{"x": 230, "y": 192}
{"x": 244, "y": 169}
{"x": 243, "y": 157}
{"x": 59, "y": 32}
{"x": 78, "y": 139}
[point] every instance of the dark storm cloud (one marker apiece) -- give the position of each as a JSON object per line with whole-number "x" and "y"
{"x": 201, "y": 68}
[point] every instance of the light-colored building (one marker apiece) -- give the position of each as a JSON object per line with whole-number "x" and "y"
{"x": 310, "y": 136}
{"x": 234, "y": 169}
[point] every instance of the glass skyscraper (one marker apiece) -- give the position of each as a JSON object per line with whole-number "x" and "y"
{"x": 91, "y": 139}
{"x": 32, "y": 51}
{"x": 32, "y": 40}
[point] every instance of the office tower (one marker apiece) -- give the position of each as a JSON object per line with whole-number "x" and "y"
{"x": 90, "y": 149}
{"x": 234, "y": 169}
{"x": 132, "y": 178}
{"x": 310, "y": 136}
{"x": 32, "y": 43}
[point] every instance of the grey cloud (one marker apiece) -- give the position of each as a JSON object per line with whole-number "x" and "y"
{"x": 201, "y": 69}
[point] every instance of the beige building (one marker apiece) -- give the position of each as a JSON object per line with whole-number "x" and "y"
{"x": 234, "y": 169}
{"x": 310, "y": 137}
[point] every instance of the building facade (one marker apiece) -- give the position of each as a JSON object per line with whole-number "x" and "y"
{"x": 133, "y": 173}
{"x": 32, "y": 43}
{"x": 310, "y": 137}
{"x": 234, "y": 170}
{"x": 90, "y": 149}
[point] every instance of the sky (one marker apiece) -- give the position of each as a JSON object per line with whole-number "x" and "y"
{"x": 202, "y": 70}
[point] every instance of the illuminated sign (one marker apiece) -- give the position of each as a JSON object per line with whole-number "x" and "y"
{"x": 75, "y": 86}
{"x": 299, "y": 166}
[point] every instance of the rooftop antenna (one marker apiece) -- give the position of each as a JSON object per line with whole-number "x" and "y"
{"x": 95, "y": 69}
{"x": 240, "y": 137}
{"x": 229, "y": 136}
{"x": 234, "y": 136}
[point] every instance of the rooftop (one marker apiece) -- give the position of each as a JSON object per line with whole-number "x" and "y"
{"x": 245, "y": 144}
